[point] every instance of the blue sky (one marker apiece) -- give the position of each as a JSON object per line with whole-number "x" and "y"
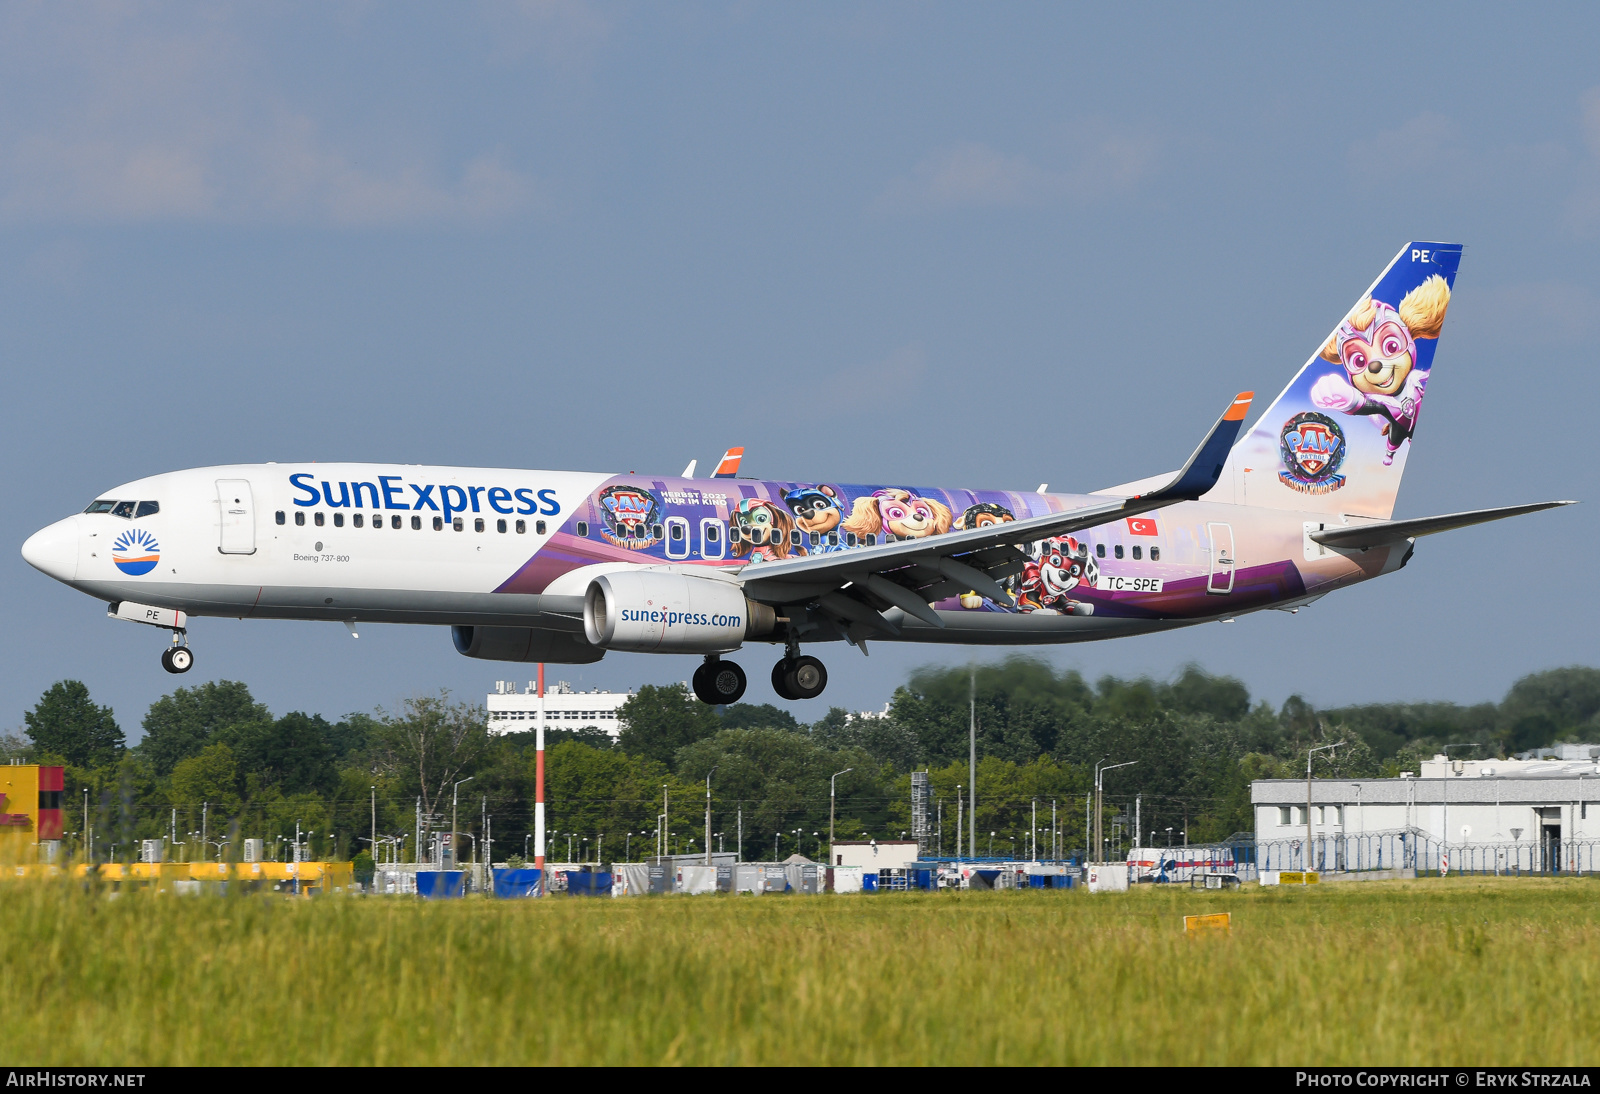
{"x": 979, "y": 245}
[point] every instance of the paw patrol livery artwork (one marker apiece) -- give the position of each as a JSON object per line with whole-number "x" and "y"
{"x": 568, "y": 566}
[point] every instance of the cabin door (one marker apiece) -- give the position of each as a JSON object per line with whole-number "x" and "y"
{"x": 238, "y": 517}
{"x": 1221, "y": 578}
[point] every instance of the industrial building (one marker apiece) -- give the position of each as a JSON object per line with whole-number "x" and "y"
{"x": 514, "y": 710}
{"x": 1533, "y": 815}
{"x": 30, "y": 813}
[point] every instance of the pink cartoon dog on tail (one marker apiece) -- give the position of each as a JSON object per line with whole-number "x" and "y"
{"x": 1377, "y": 345}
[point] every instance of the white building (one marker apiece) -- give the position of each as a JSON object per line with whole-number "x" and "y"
{"x": 1488, "y": 816}
{"x": 889, "y": 854}
{"x": 517, "y": 711}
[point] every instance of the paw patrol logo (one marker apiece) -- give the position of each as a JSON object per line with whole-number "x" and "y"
{"x": 1311, "y": 446}
{"x": 629, "y": 516}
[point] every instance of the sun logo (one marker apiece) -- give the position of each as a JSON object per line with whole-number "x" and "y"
{"x": 135, "y": 552}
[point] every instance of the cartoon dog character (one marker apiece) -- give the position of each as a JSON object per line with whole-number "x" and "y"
{"x": 1063, "y": 562}
{"x": 982, "y": 515}
{"x": 763, "y": 531}
{"x": 899, "y": 513}
{"x": 817, "y": 511}
{"x": 1377, "y": 345}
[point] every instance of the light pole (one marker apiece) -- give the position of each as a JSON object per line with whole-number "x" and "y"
{"x": 455, "y": 802}
{"x": 1306, "y": 866}
{"x": 1099, "y": 799}
{"x": 991, "y": 845}
{"x": 375, "y": 819}
{"x": 832, "y": 791}
{"x": 525, "y": 840}
{"x": 710, "y": 773}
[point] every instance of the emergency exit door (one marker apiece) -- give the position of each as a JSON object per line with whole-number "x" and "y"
{"x": 238, "y": 517}
{"x": 1221, "y": 578}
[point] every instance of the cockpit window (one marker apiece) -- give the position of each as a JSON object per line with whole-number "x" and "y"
{"x": 124, "y": 509}
{"x": 103, "y": 506}
{"x": 148, "y": 508}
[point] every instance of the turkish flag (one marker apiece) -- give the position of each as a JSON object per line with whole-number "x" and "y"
{"x": 1142, "y": 526}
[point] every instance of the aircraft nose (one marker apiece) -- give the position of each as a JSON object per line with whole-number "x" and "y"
{"x": 54, "y": 550}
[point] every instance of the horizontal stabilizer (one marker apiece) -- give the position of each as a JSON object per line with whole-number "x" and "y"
{"x": 1393, "y": 531}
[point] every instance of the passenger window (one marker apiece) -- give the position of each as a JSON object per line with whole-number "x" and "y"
{"x": 850, "y": 539}
{"x": 833, "y": 539}
{"x": 583, "y": 529}
{"x": 655, "y": 531}
{"x": 416, "y": 524}
{"x": 1117, "y": 550}
{"x": 477, "y": 524}
{"x": 1100, "y": 550}
{"x": 438, "y": 524}
{"x": 711, "y": 538}
{"x": 813, "y": 538}
{"x": 149, "y": 508}
{"x": 1137, "y": 551}
{"x": 677, "y": 533}
{"x": 522, "y": 527}
{"x": 794, "y": 537}
{"x": 317, "y": 519}
{"x": 279, "y": 518}
{"x": 358, "y": 520}
{"x": 394, "y": 522}
{"x": 338, "y": 520}
{"x": 1155, "y": 554}
{"x": 872, "y": 539}
{"x": 500, "y": 525}
{"x": 102, "y": 506}
{"x": 457, "y": 524}
{"x": 538, "y": 527}
{"x": 734, "y": 535}
{"x": 300, "y": 520}
{"x": 123, "y": 509}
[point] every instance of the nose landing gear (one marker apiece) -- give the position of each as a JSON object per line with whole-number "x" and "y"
{"x": 799, "y": 678}
{"x": 178, "y": 657}
{"x": 718, "y": 682}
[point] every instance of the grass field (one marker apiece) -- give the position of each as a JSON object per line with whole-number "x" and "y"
{"x": 1447, "y": 972}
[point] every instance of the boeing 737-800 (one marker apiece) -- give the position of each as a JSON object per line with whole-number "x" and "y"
{"x": 563, "y": 566}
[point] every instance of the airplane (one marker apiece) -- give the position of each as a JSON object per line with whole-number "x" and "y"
{"x": 559, "y": 566}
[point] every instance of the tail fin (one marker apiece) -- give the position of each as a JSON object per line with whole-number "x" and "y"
{"x": 728, "y": 466}
{"x": 1336, "y": 440}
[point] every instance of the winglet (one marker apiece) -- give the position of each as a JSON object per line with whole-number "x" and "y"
{"x": 728, "y": 467}
{"x": 1200, "y": 474}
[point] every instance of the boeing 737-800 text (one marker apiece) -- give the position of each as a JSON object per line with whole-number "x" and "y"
{"x": 563, "y": 566}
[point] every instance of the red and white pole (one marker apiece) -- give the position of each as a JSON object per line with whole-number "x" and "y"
{"x": 538, "y": 789}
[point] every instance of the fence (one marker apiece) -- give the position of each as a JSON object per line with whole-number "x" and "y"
{"x": 1415, "y": 850}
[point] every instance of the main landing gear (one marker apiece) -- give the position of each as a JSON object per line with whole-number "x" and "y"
{"x": 797, "y": 677}
{"x": 718, "y": 682}
{"x": 178, "y": 657}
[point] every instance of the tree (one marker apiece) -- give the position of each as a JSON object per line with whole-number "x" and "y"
{"x": 431, "y": 746}
{"x": 67, "y": 723}
{"x": 294, "y": 753}
{"x": 658, "y": 721}
{"x": 757, "y": 716}
{"x": 181, "y": 724}
{"x": 211, "y": 775}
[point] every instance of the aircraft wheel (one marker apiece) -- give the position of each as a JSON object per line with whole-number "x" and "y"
{"x": 806, "y": 678}
{"x": 719, "y": 682}
{"x": 177, "y": 659}
{"x": 780, "y": 681}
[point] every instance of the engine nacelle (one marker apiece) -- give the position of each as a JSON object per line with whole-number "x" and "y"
{"x": 654, "y": 612}
{"x": 524, "y": 644}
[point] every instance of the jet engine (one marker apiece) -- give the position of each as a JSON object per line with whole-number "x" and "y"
{"x": 653, "y": 612}
{"x": 524, "y": 644}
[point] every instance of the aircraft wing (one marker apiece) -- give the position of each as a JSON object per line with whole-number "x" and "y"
{"x": 854, "y": 587}
{"x": 1384, "y": 532}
